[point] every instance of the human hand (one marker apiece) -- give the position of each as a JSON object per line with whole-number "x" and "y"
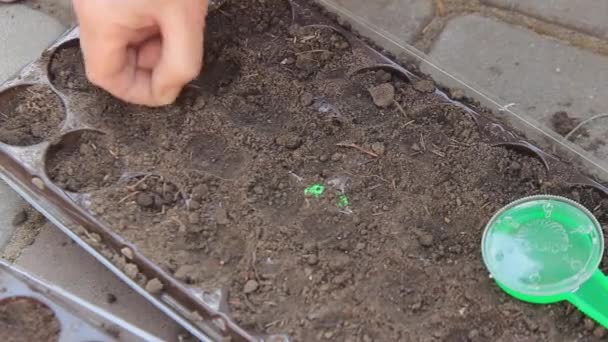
{"x": 142, "y": 51}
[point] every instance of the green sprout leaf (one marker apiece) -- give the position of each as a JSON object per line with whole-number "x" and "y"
{"x": 315, "y": 190}
{"x": 343, "y": 201}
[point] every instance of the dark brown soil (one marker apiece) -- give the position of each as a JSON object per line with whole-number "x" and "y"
{"x": 68, "y": 76}
{"x": 29, "y": 115}
{"x": 24, "y": 319}
{"x": 215, "y": 192}
{"x": 69, "y": 162}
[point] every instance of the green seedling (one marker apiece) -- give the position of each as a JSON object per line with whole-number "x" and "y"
{"x": 315, "y": 190}
{"x": 343, "y": 201}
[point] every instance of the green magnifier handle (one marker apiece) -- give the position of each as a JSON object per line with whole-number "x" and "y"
{"x": 592, "y": 298}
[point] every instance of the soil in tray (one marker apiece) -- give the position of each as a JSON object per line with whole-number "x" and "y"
{"x": 29, "y": 115}
{"x": 215, "y": 191}
{"x": 24, "y": 319}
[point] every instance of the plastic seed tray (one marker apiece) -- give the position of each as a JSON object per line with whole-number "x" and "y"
{"x": 204, "y": 314}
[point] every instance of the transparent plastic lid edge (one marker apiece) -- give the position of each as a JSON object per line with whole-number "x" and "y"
{"x": 535, "y": 132}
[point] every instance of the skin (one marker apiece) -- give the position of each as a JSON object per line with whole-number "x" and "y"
{"x": 142, "y": 51}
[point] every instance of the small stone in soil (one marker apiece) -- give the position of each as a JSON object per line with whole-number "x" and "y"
{"x": 306, "y": 99}
{"x": 424, "y": 86}
{"x": 382, "y": 95}
{"x": 199, "y": 103}
{"x": 194, "y": 205}
{"x": 306, "y": 63}
{"x": 473, "y": 334}
{"x": 383, "y": 76}
{"x": 144, "y": 199}
{"x": 326, "y": 55}
{"x": 515, "y": 166}
{"x": 127, "y": 252}
{"x": 184, "y": 272}
{"x": 194, "y": 218}
{"x": 200, "y": 191}
{"x": 457, "y": 94}
{"x": 131, "y": 270}
{"x": 575, "y": 317}
{"x": 288, "y": 61}
{"x": 250, "y": 286}
{"x": 154, "y": 286}
{"x": 342, "y": 45}
{"x": 599, "y": 332}
{"x": 312, "y": 260}
{"x": 20, "y": 218}
{"x": 336, "y": 157}
{"x": 378, "y": 148}
{"x": 221, "y": 216}
{"x": 290, "y": 140}
{"x": 111, "y": 298}
{"x": 589, "y": 324}
{"x": 426, "y": 240}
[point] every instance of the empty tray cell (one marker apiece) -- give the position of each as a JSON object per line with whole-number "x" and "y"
{"x": 29, "y": 115}
{"x": 26, "y": 319}
{"x": 83, "y": 161}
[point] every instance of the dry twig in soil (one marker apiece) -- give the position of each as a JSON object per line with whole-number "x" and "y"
{"x": 359, "y": 148}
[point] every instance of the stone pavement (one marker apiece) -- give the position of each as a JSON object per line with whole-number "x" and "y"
{"x": 538, "y": 57}
{"x": 21, "y": 41}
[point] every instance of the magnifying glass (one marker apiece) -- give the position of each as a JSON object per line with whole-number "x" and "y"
{"x": 546, "y": 249}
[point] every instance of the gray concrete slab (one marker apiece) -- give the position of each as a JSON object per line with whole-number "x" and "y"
{"x": 539, "y": 74}
{"x": 24, "y": 33}
{"x": 403, "y": 19}
{"x": 585, "y": 15}
{"x": 55, "y": 258}
{"x": 59, "y": 9}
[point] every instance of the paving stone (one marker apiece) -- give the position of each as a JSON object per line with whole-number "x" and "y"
{"x": 61, "y": 10}
{"x": 589, "y": 16}
{"x": 24, "y": 33}
{"x": 402, "y": 18}
{"x": 539, "y": 74}
{"x": 10, "y": 205}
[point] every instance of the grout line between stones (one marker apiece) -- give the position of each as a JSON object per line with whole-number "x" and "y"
{"x": 433, "y": 28}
